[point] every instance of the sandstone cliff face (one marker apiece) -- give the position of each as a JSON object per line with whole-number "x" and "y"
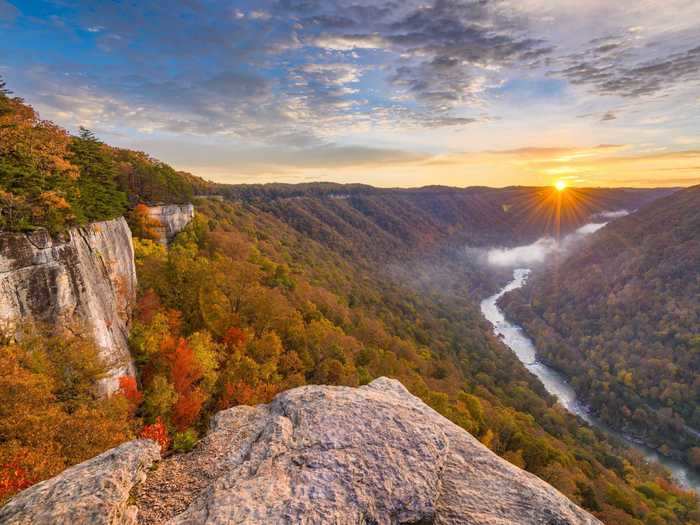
{"x": 83, "y": 281}
{"x": 316, "y": 454}
{"x": 173, "y": 218}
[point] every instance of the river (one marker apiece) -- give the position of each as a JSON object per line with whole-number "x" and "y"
{"x": 556, "y": 384}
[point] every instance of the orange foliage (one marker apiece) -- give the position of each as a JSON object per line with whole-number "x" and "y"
{"x": 234, "y": 337}
{"x": 157, "y": 432}
{"x": 174, "y": 320}
{"x": 184, "y": 370}
{"x": 143, "y": 225}
{"x": 130, "y": 390}
{"x": 13, "y": 478}
{"x": 187, "y": 408}
{"x": 148, "y": 306}
{"x": 244, "y": 394}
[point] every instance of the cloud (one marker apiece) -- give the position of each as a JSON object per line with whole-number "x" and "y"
{"x": 528, "y": 255}
{"x": 616, "y": 69}
{"x": 437, "y": 51}
{"x": 589, "y": 228}
{"x": 607, "y": 116}
{"x": 433, "y": 76}
{"x": 349, "y": 42}
{"x": 615, "y": 214}
{"x": 8, "y": 12}
{"x": 539, "y": 251}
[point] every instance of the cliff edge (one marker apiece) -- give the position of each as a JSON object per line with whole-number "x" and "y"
{"x": 83, "y": 280}
{"x": 315, "y": 454}
{"x": 173, "y": 219}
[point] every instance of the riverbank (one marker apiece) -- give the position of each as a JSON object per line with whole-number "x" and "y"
{"x": 556, "y": 384}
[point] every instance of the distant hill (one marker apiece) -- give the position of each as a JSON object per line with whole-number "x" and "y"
{"x": 622, "y": 320}
{"x": 381, "y": 219}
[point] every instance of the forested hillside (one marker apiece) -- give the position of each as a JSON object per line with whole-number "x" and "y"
{"x": 622, "y": 320}
{"x": 279, "y": 286}
{"x": 374, "y": 222}
{"x": 51, "y": 179}
{"x": 243, "y": 306}
{"x": 419, "y": 235}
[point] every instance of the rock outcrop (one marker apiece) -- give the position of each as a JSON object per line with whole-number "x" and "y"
{"x": 94, "y": 492}
{"x": 84, "y": 281}
{"x": 173, "y": 218}
{"x": 318, "y": 454}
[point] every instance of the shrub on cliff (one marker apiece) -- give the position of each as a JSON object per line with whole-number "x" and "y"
{"x": 50, "y": 417}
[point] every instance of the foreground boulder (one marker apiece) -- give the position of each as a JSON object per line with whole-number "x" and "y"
{"x": 318, "y": 454}
{"x": 95, "y": 491}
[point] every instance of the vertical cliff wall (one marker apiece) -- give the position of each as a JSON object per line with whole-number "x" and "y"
{"x": 173, "y": 218}
{"x": 84, "y": 280}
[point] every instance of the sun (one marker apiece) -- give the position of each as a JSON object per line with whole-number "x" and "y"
{"x": 560, "y": 185}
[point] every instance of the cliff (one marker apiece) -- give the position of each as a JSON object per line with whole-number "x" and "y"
{"x": 316, "y": 454}
{"x": 173, "y": 218}
{"x": 84, "y": 281}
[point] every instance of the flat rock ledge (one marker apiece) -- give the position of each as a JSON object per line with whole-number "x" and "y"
{"x": 372, "y": 455}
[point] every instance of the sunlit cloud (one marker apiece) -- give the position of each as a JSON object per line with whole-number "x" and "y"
{"x": 496, "y": 92}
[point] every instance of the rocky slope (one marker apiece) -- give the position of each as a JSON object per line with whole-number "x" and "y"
{"x": 316, "y": 454}
{"x": 84, "y": 281}
{"x": 173, "y": 217}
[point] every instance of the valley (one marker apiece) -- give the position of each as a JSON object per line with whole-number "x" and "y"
{"x": 625, "y": 329}
{"x": 350, "y": 262}
{"x": 557, "y": 385}
{"x": 245, "y": 292}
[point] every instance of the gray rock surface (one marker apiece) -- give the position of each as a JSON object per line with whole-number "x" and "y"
{"x": 84, "y": 281}
{"x": 372, "y": 455}
{"x": 173, "y": 217}
{"x": 314, "y": 455}
{"x": 94, "y": 492}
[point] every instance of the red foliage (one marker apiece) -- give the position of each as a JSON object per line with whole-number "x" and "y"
{"x": 243, "y": 394}
{"x": 148, "y": 306}
{"x": 187, "y": 408}
{"x": 157, "y": 432}
{"x": 234, "y": 337}
{"x": 13, "y": 478}
{"x": 184, "y": 370}
{"x": 130, "y": 390}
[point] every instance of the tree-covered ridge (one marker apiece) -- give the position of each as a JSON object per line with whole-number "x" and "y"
{"x": 623, "y": 322}
{"x": 242, "y": 306}
{"x": 284, "y": 286}
{"x": 51, "y": 179}
{"x": 421, "y": 218}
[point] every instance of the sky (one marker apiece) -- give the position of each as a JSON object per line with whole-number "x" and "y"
{"x": 383, "y": 92}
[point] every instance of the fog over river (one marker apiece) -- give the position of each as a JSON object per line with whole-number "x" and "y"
{"x": 555, "y": 383}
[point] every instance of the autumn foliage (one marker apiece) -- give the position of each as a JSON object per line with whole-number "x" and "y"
{"x": 50, "y": 417}
{"x": 143, "y": 225}
{"x": 13, "y": 478}
{"x": 129, "y": 389}
{"x": 234, "y": 338}
{"x": 157, "y": 432}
